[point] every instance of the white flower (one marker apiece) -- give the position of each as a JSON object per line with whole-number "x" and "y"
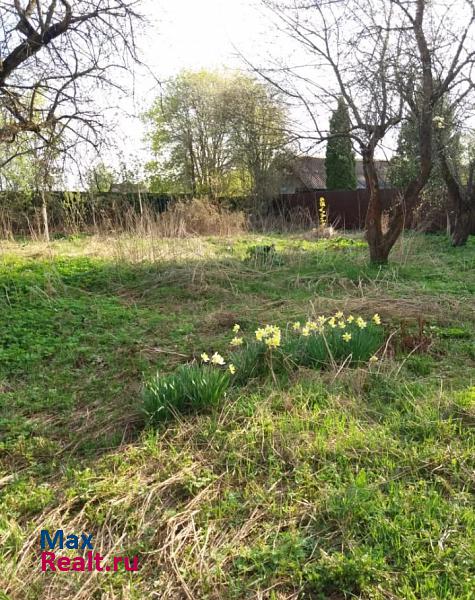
{"x": 217, "y": 359}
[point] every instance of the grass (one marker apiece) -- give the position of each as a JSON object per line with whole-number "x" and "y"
{"x": 345, "y": 483}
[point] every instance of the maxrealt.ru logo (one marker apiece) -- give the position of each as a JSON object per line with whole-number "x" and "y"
{"x": 88, "y": 561}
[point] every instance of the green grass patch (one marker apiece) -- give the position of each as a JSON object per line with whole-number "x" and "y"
{"x": 336, "y": 478}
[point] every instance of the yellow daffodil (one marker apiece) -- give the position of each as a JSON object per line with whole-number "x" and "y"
{"x": 270, "y": 334}
{"x": 321, "y": 320}
{"x": 332, "y": 322}
{"x": 232, "y": 368}
{"x": 273, "y": 342}
{"x": 305, "y": 331}
{"x": 236, "y": 328}
{"x": 236, "y": 341}
{"x": 377, "y": 319}
{"x": 350, "y": 319}
{"x": 347, "y": 337}
{"x": 296, "y": 326}
{"x": 339, "y": 315}
{"x": 311, "y": 325}
{"x": 373, "y": 359}
{"x": 341, "y": 324}
{"x": 217, "y": 359}
{"x": 205, "y": 357}
{"x": 260, "y": 333}
{"x": 361, "y": 323}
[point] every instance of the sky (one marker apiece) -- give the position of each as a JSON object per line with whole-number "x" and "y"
{"x": 203, "y": 34}
{"x": 193, "y": 35}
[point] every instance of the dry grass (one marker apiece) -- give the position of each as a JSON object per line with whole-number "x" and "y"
{"x": 185, "y": 218}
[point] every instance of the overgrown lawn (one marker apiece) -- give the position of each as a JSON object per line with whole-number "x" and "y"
{"x": 337, "y": 483}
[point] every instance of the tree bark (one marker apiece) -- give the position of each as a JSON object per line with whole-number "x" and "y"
{"x": 461, "y": 230}
{"x": 378, "y": 253}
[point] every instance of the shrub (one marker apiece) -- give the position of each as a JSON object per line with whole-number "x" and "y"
{"x": 191, "y": 388}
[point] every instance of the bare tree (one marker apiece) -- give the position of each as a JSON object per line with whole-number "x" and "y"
{"x": 385, "y": 59}
{"x": 460, "y": 187}
{"x": 444, "y": 63}
{"x": 54, "y": 55}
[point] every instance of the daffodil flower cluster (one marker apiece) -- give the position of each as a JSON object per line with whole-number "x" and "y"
{"x": 341, "y": 335}
{"x": 270, "y": 335}
{"x": 337, "y": 320}
{"x": 322, "y": 212}
{"x": 217, "y": 360}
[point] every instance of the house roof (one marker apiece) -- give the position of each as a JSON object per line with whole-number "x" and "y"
{"x": 310, "y": 170}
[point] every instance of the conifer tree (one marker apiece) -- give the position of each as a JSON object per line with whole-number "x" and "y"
{"x": 340, "y": 158}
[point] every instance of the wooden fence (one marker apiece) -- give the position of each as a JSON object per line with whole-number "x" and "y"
{"x": 346, "y": 208}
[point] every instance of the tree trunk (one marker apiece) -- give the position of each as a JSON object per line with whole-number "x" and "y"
{"x": 381, "y": 242}
{"x": 462, "y": 223}
{"x": 378, "y": 251}
{"x": 44, "y": 215}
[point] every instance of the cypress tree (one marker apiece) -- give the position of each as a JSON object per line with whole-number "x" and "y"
{"x": 340, "y": 158}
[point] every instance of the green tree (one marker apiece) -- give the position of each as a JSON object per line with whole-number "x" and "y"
{"x": 259, "y": 137}
{"x": 340, "y": 158}
{"x": 403, "y": 165}
{"x": 190, "y": 133}
{"x": 215, "y": 134}
{"x": 100, "y": 178}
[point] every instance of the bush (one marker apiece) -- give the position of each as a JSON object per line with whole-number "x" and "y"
{"x": 191, "y": 388}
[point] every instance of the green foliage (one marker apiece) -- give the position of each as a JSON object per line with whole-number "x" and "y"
{"x": 216, "y": 135}
{"x": 250, "y": 362}
{"x": 404, "y": 165}
{"x": 191, "y": 388}
{"x": 100, "y": 178}
{"x": 328, "y": 347}
{"x": 340, "y": 157}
